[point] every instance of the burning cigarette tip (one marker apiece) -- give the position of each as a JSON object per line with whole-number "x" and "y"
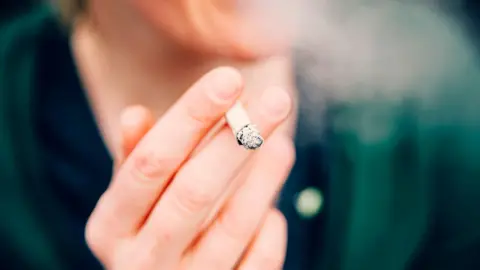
{"x": 245, "y": 132}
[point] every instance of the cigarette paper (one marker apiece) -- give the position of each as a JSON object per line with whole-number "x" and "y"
{"x": 245, "y": 132}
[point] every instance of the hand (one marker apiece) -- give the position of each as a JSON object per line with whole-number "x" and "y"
{"x": 170, "y": 208}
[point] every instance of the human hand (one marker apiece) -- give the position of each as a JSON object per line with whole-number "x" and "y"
{"x": 172, "y": 206}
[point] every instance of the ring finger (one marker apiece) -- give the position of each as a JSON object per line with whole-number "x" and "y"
{"x": 239, "y": 219}
{"x": 267, "y": 251}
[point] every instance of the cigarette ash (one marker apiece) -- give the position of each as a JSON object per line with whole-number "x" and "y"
{"x": 249, "y": 137}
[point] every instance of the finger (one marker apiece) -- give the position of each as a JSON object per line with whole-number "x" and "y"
{"x": 202, "y": 180}
{"x": 267, "y": 251}
{"x": 135, "y": 122}
{"x": 238, "y": 221}
{"x": 141, "y": 179}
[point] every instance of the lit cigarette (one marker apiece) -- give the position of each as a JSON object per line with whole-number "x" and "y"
{"x": 245, "y": 132}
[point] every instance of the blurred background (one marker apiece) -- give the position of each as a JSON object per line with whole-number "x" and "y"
{"x": 339, "y": 52}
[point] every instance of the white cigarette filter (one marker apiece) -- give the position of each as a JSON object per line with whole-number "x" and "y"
{"x": 245, "y": 132}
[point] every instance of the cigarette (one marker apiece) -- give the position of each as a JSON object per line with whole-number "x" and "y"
{"x": 245, "y": 132}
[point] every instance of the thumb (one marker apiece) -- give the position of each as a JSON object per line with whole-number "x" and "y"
{"x": 135, "y": 122}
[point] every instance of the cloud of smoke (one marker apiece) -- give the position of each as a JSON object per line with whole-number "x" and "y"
{"x": 359, "y": 49}
{"x": 368, "y": 45}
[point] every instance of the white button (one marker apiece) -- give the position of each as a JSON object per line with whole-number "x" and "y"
{"x": 309, "y": 202}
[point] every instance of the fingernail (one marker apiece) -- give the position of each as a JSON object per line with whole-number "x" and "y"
{"x": 277, "y": 102}
{"x": 226, "y": 83}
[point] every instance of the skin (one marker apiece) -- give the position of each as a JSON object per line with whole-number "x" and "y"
{"x": 184, "y": 195}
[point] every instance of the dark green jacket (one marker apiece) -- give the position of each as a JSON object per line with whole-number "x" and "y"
{"x": 405, "y": 172}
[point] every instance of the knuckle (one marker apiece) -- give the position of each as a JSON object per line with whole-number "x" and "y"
{"x": 131, "y": 256}
{"x": 278, "y": 219}
{"x": 236, "y": 226}
{"x": 148, "y": 165}
{"x": 283, "y": 149}
{"x": 156, "y": 243}
{"x": 96, "y": 237}
{"x": 201, "y": 116}
{"x": 191, "y": 199}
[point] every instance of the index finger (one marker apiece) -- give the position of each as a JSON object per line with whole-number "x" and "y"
{"x": 147, "y": 170}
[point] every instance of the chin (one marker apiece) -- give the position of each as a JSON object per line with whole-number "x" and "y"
{"x": 256, "y": 47}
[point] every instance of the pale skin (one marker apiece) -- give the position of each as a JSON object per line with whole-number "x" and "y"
{"x": 184, "y": 195}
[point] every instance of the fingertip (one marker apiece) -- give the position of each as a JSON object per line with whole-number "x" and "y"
{"x": 135, "y": 122}
{"x": 277, "y": 102}
{"x": 273, "y": 232}
{"x": 276, "y": 218}
{"x": 135, "y": 116}
{"x": 226, "y": 83}
{"x": 232, "y": 74}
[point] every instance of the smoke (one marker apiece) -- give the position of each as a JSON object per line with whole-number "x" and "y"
{"x": 360, "y": 46}
{"x": 365, "y": 49}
